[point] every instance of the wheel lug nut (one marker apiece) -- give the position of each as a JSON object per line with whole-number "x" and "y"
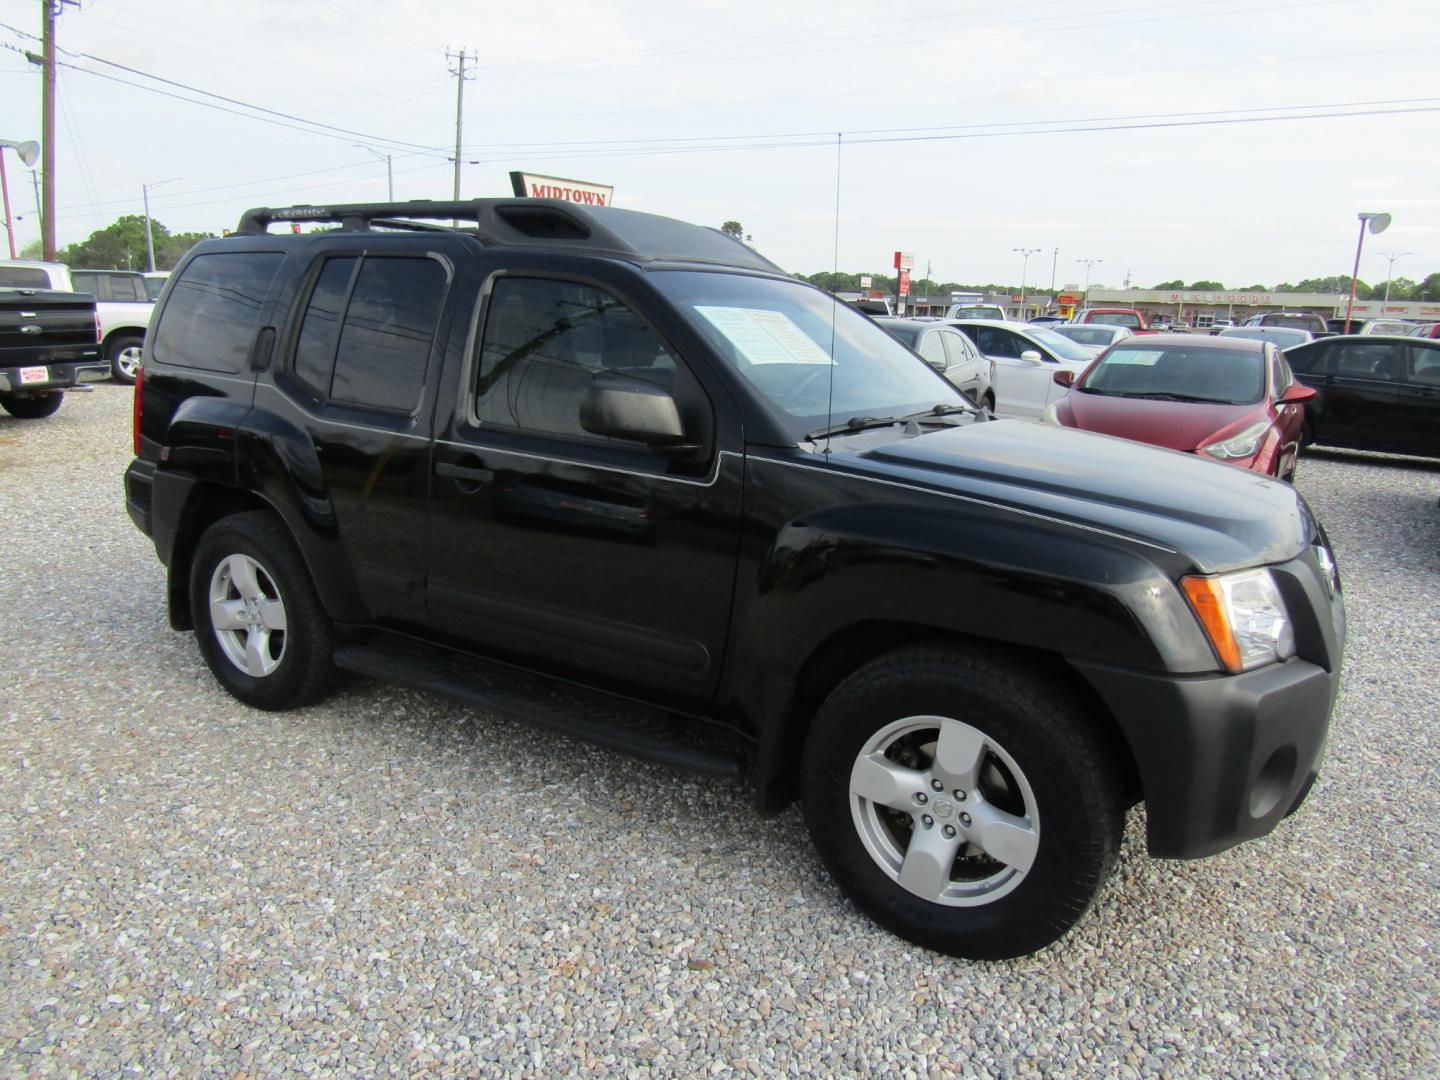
{"x": 921, "y": 798}
{"x": 928, "y": 820}
{"x": 937, "y": 785}
{"x": 949, "y": 832}
{"x": 965, "y": 820}
{"x": 959, "y": 795}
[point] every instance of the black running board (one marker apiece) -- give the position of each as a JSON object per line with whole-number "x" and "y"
{"x": 613, "y": 723}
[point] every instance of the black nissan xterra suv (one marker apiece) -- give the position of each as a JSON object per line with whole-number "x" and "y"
{"x": 622, "y": 477}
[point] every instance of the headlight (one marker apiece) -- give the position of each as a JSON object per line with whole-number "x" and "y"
{"x": 1243, "y": 617}
{"x": 1051, "y": 415}
{"x": 1243, "y": 445}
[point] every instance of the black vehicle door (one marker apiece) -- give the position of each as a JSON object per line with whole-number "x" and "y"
{"x": 1357, "y": 384}
{"x": 550, "y": 546}
{"x": 349, "y": 407}
{"x": 1418, "y": 398}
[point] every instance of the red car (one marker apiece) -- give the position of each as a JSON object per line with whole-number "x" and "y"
{"x": 1229, "y": 399}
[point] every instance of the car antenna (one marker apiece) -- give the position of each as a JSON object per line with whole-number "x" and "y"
{"x": 834, "y": 300}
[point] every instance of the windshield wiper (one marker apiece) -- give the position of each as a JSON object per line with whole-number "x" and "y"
{"x": 854, "y": 424}
{"x": 1173, "y": 397}
{"x": 944, "y": 408}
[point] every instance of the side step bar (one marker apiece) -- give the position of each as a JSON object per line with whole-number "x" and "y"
{"x": 629, "y": 728}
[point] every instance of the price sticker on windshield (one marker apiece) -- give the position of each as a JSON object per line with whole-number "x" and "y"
{"x": 33, "y": 375}
{"x": 765, "y": 337}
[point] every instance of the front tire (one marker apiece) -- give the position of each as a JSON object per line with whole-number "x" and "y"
{"x": 124, "y": 354}
{"x": 258, "y": 619}
{"x": 962, "y": 801}
{"x": 31, "y": 408}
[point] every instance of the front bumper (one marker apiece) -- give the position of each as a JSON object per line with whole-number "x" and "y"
{"x": 1223, "y": 758}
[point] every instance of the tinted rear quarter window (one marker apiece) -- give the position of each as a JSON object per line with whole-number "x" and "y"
{"x": 213, "y": 312}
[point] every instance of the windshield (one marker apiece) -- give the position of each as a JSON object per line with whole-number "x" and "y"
{"x": 976, "y": 311}
{"x": 778, "y": 336}
{"x": 1088, "y": 335}
{"x": 1297, "y": 322}
{"x": 1222, "y": 376}
{"x": 1115, "y": 318}
{"x": 1278, "y": 334}
{"x": 1060, "y": 345}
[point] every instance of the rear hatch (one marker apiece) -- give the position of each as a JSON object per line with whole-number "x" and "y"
{"x": 42, "y": 320}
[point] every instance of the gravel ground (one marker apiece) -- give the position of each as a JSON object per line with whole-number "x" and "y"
{"x": 389, "y": 884}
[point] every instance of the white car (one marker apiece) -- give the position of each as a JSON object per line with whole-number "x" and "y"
{"x": 949, "y": 352}
{"x": 1093, "y": 336}
{"x": 1027, "y": 361}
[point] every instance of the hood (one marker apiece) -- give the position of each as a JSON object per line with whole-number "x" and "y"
{"x": 1176, "y": 425}
{"x": 1216, "y": 517}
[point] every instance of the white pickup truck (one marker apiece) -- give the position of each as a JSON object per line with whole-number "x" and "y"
{"x": 122, "y": 303}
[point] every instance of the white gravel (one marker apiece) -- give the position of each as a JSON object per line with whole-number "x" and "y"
{"x": 390, "y": 884}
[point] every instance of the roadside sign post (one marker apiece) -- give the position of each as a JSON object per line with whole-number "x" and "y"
{"x": 904, "y": 263}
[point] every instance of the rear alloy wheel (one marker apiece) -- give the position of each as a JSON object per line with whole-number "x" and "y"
{"x": 31, "y": 408}
{"x": 124, "y": 354}
{"x": 962, "y": 800}
{"x": 258, "y": 620}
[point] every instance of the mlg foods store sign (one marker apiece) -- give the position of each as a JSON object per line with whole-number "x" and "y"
{"x": 531, "y": 186}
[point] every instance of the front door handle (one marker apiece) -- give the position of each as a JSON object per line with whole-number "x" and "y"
{"x": 467, "y": 473}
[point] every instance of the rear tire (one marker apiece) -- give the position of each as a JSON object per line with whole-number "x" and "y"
{"x": 31, "y": 408}
{"x": 258, "y": 619}
{"x": 1023, "y": 801}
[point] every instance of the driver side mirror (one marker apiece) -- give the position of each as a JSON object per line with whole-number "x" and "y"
{"x": 1298, "y": 394}
{"x": 1032, "y": 356}
{"x": 620, "y": 408}
{"x": 1064, "y": 377}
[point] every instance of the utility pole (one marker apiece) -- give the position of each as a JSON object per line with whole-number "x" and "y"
{"x": 1053, "y": 260}
{"x": 459, "y": 73}
{"x": 47, "y": 134}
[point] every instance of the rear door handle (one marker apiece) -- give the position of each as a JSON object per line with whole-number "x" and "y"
{"x": 468, "y": 473}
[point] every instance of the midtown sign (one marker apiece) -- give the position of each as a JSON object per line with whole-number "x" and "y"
{"x": 532, "y": 186}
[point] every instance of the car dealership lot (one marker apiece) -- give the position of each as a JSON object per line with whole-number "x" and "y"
{"x": 388, "y": 882}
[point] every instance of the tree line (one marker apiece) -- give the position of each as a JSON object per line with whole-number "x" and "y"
{"x": 1401, "y": 288}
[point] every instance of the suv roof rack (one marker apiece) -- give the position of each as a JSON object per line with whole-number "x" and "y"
{"x": 533, "y": 223}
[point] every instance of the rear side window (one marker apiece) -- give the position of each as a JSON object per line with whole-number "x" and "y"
{"x": 366, "y": 335}
{"x": 213, "y": 312}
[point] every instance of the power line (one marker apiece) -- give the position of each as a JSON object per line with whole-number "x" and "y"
{"x": 311, "y": 124}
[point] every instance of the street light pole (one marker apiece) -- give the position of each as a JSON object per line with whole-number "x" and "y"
{"x": 1376, "y": 223}
{"x": 1024, "y": 271}
{"x": 1390, "y": 272}
{"x": 149, "y": 235}
{"x": 1055, "y": 258}
{"x": 389, "y": 170}
{"x": 1088, "y": 264}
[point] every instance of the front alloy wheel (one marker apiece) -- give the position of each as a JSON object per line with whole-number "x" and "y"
{"x": 964, "y": 798}
{"x": 944, "y": 811}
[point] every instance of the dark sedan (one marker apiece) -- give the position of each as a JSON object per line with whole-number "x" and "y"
{"x": 1231, "y": 400}
{"x": 1373, "y": 393}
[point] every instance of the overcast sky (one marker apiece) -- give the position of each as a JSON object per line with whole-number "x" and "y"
{"x": 709, "y": 110}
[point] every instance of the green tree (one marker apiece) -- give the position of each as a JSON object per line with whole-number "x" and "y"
{"x": 121, "y": 246}
{"x": 1429, "y": 289}
{"x": 175, "y": 246}
{"x": 733, "y": 228}
{"x": 1207, "y": 286}
{"x": 33, "y": 250}
{"x": 1176, "y": 284}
